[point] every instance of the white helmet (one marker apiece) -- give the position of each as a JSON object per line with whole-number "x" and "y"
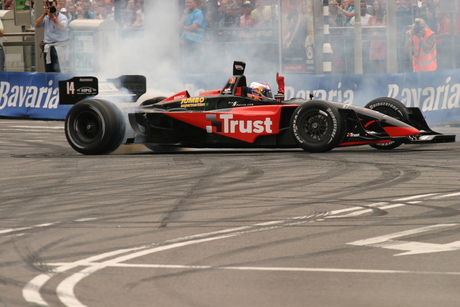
{"x": 259, "y": 90}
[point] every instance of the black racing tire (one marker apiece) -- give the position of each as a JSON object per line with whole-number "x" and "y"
{"x": 393, "y": 108}
{"x": 154, "y": 100}
{"x": 95, "y": 127}
{"x": 318, "y": 126}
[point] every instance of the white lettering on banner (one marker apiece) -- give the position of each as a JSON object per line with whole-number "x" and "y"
{"x": 444, "y": 96}
{"x": 28, "y": 96}
{"x": 429, "y": 98}
{"x": 338, "y": 94}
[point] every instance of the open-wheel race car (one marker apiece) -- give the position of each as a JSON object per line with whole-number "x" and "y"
{"x": 237, "y": 116}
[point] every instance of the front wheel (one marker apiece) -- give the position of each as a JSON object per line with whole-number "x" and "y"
{"x": 318, "y": 126}
{"x": 393, "y": 108}
{"x": 94, "y": 127}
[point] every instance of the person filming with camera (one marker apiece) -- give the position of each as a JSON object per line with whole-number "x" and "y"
{"x": 421, "y": 45}
{"x": 56, "y": 36}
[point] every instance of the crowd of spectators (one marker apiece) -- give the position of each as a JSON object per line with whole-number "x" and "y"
{"x": 257, "y": 20}
{"x": 235, "y": 20}
{"x": 373, "y": 14}
{"x": 239, "y": 20}
{"x": 132, "y": 11}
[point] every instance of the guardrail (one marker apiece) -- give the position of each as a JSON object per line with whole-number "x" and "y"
{"x": 20, "y": 54}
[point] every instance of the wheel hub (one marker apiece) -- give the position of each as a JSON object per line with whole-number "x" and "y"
{"x": 315, "y": 126}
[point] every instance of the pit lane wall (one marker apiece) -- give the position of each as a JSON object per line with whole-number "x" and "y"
{"x": 437, "y": 94}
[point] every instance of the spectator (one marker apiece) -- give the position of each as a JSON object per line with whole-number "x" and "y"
{"x": 72, "y": 12}
{"x": 365, "y": 16}
{"x": 444, "y": 40}
{"x": 336, "y": 19}
{"x": 265, "y": 18}
{"x": 8, "y": 5}
{"x": 87, "y": 10}
{"x": 237, "y": 11}
{"x": 213, "y": 14}
{"x": 426, "y": 11}
{"x": 193, "y": 24}
{"x": 56, "y": 36}
{"x": 403, "y": 15}
{"x": 246, "y": 22}
{"x": 99, "y": 11}
{"x": 294, "y": 38}
{"x": 139, "y": 22}
{"x": 129, "y": 14}
{"x": 421, "y": 45}
{"x": 227, "y": 23}
{"x": 378, "y": 47}
{"x": 403, "y": 20}
{"x": 261, "y": 14}
{"x": 109, "y": 10}
{"x": 32, "y": 15}
{"x": 80, "y": 13}
{"x": 348, "y": 10}
{"x": 220, "y": 13}
{"x": 68, "y": 4}
{"x": 369, "y": 6}
{"x": 66, "y": 13}
{"x": 202, "y": 6}
{"x": 2, "y": 51}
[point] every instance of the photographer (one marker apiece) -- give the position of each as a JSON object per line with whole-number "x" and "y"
{"x": 421, "y": 45}
{"x": 56, "y": 36}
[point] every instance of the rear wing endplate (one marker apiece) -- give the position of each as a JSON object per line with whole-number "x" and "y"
{"x": 78, "y": 88}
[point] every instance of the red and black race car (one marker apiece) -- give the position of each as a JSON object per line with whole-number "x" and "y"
{"x": 237, "y": 116}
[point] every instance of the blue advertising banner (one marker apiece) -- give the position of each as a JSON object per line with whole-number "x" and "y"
{"x": 437, "y": 94}
{"x": 31, "y": 95}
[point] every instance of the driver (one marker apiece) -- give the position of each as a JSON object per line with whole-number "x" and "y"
{"x": 259, "y": 91}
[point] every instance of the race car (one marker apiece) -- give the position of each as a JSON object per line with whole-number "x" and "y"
{"x": 237, "y": 116}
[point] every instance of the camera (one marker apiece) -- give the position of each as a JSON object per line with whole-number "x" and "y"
{"x": 417, "y": 27}
{"x": 51, "y": 8}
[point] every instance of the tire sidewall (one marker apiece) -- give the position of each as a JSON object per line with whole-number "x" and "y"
{"x": 391, "y": 104}
{"x": 380, "y": 104}
{"x": 110, "y": 130}
{"x": 333, "y": 135}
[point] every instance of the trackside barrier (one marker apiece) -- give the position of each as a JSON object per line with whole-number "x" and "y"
{"x": 31, "y": 95}
{"x": 437, "y": 94}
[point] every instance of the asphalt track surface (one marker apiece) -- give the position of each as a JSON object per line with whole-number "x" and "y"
{"x": 351, "y": 227}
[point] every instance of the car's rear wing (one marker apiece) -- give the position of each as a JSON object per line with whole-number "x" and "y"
{"x": 78, "y": 88}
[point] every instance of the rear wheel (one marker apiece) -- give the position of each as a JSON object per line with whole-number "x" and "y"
{"x": 318, "y": 126}
{"x": 94, "y": 127}
{"x": 393, "y": 108}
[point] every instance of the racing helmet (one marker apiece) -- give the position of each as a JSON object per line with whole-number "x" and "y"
{"x": 259, "y": 90}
